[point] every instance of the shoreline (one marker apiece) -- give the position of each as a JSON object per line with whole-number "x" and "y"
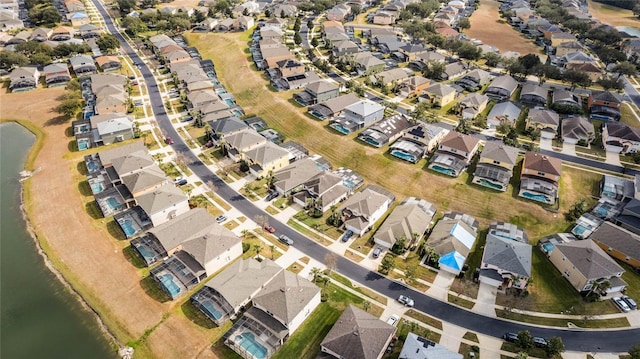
{"x": 33, "y": 233}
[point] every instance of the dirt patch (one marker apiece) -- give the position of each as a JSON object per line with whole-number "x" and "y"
{"x": 488, "y": 26}
{"x": 612, "y": 15}
{"x": 83, "y": 248}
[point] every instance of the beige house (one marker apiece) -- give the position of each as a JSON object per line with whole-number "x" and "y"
{"x": 362, "y": 210}
{"x": 408, "y": 221}
{"x": 237, "y": 144}
{"x": 540, "y": 177}
{"x": 438, "y": 94}
{"x": 293, "y": 177}
{"x": 454, "y": 154}
{"x": 495, "y": 166}
{"x": 266, "y": 159}
{"x": 547, "y": 121}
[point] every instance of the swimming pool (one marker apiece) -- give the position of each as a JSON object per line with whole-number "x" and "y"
{"x": 404, "y": 156}
{"x": 97, "y": 187}
{"x": 211, "y": 310}
{"x": 536, "y": 197}
{"x": 446, "y": 171}
{"x": 372, "y": 142}
{"x": 169, "y": 285}
{"x": 229, "y": 102}
{"x": 91, "y": 166}
{"x": 148, "y": 256}
{"x": 548, "y": 247}
{"x": 486, "y": 183}
{"x": 113, "y": 203}
{"x": 579, "y": 230}
{"x": 83, "y": 145}
{"x": 248, "y": 342}
{"x": 338, "y": 127}
{"x": 127, "y": 227}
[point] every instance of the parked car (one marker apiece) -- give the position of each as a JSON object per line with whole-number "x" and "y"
{"x": 186, "y": 119}
{"x": 510, "y": 337}
{"x": 269, "y": 228}
{"x": 377, "y": 252}
{"x": 181, "y": 182}
{"x": 273, "y": 195}
{"x": 286, "y": 240}
{"x": 406, "y": 300}
{"x": 621, "y": 304}
{"x": 539, "y": 342}
{"x": 221, "y": 218}
{"x": 169, "y": 140}
{"x": 393, "y": 320}
{"x": 630, "y": 302}
{"x": 347, "y": 235}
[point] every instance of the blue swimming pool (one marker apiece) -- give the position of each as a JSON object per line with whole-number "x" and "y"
{"x": 91, "y": 166}
{"x": 338, "y": 127}
{"x": 579, "y": 230}
{"x": 237, "y": 112}
{"x": 446, "y": 171}
{"x": 548, "y": 247}
{"x": 146, "y": 254}
{"x": 127, "y": 227}
{"x": 97, "y": 187}
{"x": 404, "y": 156}
{"x": 248, "y": 342}
{"x": 602, "y": 211}
{"x": 486, "y": 183}
{"x": 372, "y": 142}
{"x": 536, "y": 197}
{"x": 113, "y": 203}
{"x": 211, "y": 311}
{"x": 229, "y": 102}
{"x": 83, "y": 145}
{"x": 169, "y": 285}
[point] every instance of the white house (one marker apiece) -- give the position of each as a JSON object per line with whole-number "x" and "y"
{"x": 164, "y": 203}
{"x": 363, "y": 209}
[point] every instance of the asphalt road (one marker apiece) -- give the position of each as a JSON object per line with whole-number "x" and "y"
{"x": 575, "y": 340}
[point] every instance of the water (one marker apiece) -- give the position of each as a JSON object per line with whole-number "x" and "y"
{"x": 634, "y": 31}
{"x": 40, "y": 318}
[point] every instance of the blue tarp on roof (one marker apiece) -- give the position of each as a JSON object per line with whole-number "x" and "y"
{"x": 453, "y": 260}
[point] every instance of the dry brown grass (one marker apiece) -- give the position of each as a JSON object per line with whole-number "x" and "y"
{"x": 488, "y": 26}
{"x": 228, "y": 53}
{"x": 612, "y": 15}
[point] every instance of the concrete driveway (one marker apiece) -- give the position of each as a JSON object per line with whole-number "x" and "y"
{"x": 613, "y": 158}
{"x": 440, "y": 287}
{"x": 546, "y": 144}
{"x": 569, "y": 149}
{"x": 485, "y": 303}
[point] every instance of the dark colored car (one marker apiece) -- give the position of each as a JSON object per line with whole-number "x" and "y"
{"x": 539, "y": 342}
{"x": 181, "y": 182}
{"x": 347, "y": 235}
{"x": 510, "y": 337}
{"x": 273, "y": 195}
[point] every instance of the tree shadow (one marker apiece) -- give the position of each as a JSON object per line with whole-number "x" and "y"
{"x": 131, "y": 257}
{"x": 115, "y": 231}
{"x": 72, "y": 146}
{"x": 82, "y": 168}
{"x": 55, "y": 121}
{"x": 69, "y": 132}
{"x": 196, "y": 316}
{"x": 93, "y": 210}
{"x": 153, "y": 290}
{"x": 85, "y": 189}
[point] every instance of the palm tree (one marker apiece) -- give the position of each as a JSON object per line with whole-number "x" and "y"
{"x": 599, "y": 286}
{"x": 273, "y": 250}
{"x": 244, "y": 233}
{"x": 316, "y": 272}
{"x": 258, "y": 248}
{"x": 366, "y": 305}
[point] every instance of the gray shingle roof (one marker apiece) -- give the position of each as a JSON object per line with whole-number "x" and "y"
{"x": 589, "y": 259}
{"x": 107, "y": 156}
{"x": 619, "y": 239}
{"x": 416, "y": 347}
{"x": 508, "y": 255}
{"x": 144, "y": 179}
{"x": 162, "y": 198}
{"x": 296, "y": 174}
{"x": 412, "y": 216}
{"x": 358, "y": 335}
{"x": 131, "y": 162}
{"x": 498, "y": 151}
{"x": 286, "y": 295}
{"x": 192, "y": 224}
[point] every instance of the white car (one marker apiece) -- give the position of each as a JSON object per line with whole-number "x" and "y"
{"x": 393, "y": 320}
{"x": 621, "y": 304}
{"x": 406, "y": 300}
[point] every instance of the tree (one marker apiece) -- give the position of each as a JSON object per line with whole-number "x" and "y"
{"x": 522, "y": 355}
{"x": 464, "y": 23}
{"x": 11, "y": 59}
{"x": 314, "y": 42}
{"x": 634, "y": 352}
{"x": 331, "y": 261}
{"x": 316, "y": 273}
{"x": 610, "y": 55}
{"x": 366, "y": 305}
{"x": 434, "y": 70}
{"x": 388, "y": 264}
{"x": 410, "y": 273}
{"x": 310, "y": 25}
{"x": 145, "y": 4}
{"x": 610, "y": 82}
{"x": 272, "y": 247}
{"x": 126, "y": 6}
{"x": 69, "y": 107}
{"x": 261, "y": 220}
{"x": 44, "y": 16}
{"x": 297, "y": 39}
{"x": 463, "y": 126}
{"x": 625, "y": 68}
{"x": 554, "y": 346}
{"x": 492, "y": 59}
{"x": 576, "y": 78}
{"x": 107, "y": 43}
{"x": 529, "y": 62}
{"x": 525, "y": 340}
{"x": 258, "y": 248}
{"x": 133, "y": 25}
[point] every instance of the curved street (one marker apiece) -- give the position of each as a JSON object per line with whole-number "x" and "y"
{"x": 618, "y": 340}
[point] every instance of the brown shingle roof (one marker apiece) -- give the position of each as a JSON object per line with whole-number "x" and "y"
{"x": 541, "y": 163}
{"x": 459, "y": 141}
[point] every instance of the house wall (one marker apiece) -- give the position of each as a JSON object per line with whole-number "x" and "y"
{"x": 327, "y": 206}
{"x": 490, "y": 281}
{"x": 168, "y": 213}
{"x": 382, "y": 20}
{"x": 382, "y": 243}
{"x": 223, "y": 259}
{"x": 566, "y": 268}
{"x": 324, "y": 96}
{"x": 445, "y": 100}
{"x": 531, "y": 172}
{"x": 274, "y": 165}
{"x": 508, "y": 166}
{"x": 634, "y": 262}
{"x": 110, "y": 138}
{"x": 149, "y": 189}
{"x": 467, "y": 155}
{"x": 304, "y": 313}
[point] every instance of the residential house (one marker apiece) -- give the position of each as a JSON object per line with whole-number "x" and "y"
{"x": 201, "y": 98}
{"x": 56, "y": 74}
{"x": 237, "y": 144}
{"x": 416, "y": 347}
{"x": 413, "y": 86}
{"x": 111, "y": 127}
{"x": 423, "y": 59}
{"x": 24, "y": 79}
{"x": 474, "y": 80}
{"x": 629, "y": 217}
{"x": 144, "y": 180}
{"x": 40, "y": 34}
{"x": 408, "y": 222}
{"x": 539, "y": 177}
{"x": 333, "y": 107}
{"x": 338, "y": 12}
{"x": 584, "y": 264}
{"x": 83, "y": 65}
{"x": 533, "y": 95}
{"x": 503, "y": 113}
{"x": 383, "y": 18}
{"x": 501, "y": 88}
{"x": 363, "y": 209}
{"x": 109, "y": 90}
{"x": 454, "y": 154}
{"x": 108, "y": 63}
{"x": 285, "y": 10}
{"x": 206, "y": 25}
{"x": 506, "y": 260}
{"x": 229, "y": 292}
{"x": 472, "y": 104}
{"x": 453, "y": 71}
{"x": 385, "y": 131}
{"x": 438, "y": 95}
{"x": 243, "y": 23}
{"x": 89, "y": 31}
{"x": 617, "y": 188}
{"x": 277, "y": 311}
{"x": 578, "y": 130}
{"x": 265, "y": 159}
{"x": 341, "y": 48}
{"x": 558, "y": 38}
{"x": 163, "y": 204}
{"x": 317, "y": 92}
{"x": 79, "y": 18}
{"x": 357, "y": 335}
{"x": 604, "y": 105}
{"x": 495, "y": 167}
{"x": 225, "y": 127}
{"x": 412, "y": 51}
{"x": 390, "y": 77}
{"x": 62, "y": 33}
{"x": 452, "y": 239}
{"x": 448, "y": 32}
{"x": 417, "y": 140}
{"x": 272, "y": 55}
{"x": 358, "y": 115}
{"x": 568, "y": 47}
{"x": 293, "y": 177}
{"x": 547, "y": 121}
{"x": 566, "y": 98}
{"x": 321, "y": 192}
{"x": 618, "y": 242}
{"x": 590, "y": 68}
{"x": 365, "y": 63}
{"x": 620, "y": 138}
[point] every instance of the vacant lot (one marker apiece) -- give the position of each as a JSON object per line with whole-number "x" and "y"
{"x": 612, "y": 15}
{"x": 488, "y": 26}
{"x": 229, "y": 53}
